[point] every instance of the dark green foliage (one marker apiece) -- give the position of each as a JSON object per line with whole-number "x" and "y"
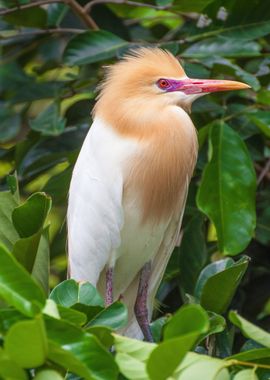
{"x": 52, "y": 61}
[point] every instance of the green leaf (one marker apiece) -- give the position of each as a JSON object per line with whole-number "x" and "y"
{"x": 9, "y": 124}
{"x": 227, "y": 191}
{"x": 69, "y": 293}
{"x": 181, "y": 333}
{"x": 17, "y": 287}
{"x": 33, "y": 337}
{"x": 190, "y": 5}
{"x": 205, "y": 367}
{"x": 34, "y": 18}
{"x": 9, "y": 369}
{"x": 184, "y": 320}
{"x": 193, "y": 254}
{"x": 29, "y": 217}
{"x": 131, "y": 356}
{"x": 79, "y": 351}
{"x": 218, "y": 290}
{"x": 114, "y": 316}
{"x": 103, "y": 334}
{"x": 209, "y": 271}
{"x": 49, "y": 122}
{"x": 92, "y": 47}
{"x": 246, "y": 374}
{"x": 8, "y": 234}
{"x": 222, "y": 47}
{"x": 249, "y": 330}
{"x": 72, "y": 316}
{"x": 40, "y": 269}
{"x": 48, "y": 374}
{"x": 262, "y": 120}
{"x": 252, "y": 355}
{"x": 247, "y": 32}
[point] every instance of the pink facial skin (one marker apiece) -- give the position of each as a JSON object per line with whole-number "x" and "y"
{"x": 196, "y": 86}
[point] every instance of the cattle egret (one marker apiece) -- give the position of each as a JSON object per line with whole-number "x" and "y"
{"x": 130, "y": 182}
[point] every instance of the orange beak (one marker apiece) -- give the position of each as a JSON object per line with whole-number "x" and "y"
{"x": 196, "y": 86}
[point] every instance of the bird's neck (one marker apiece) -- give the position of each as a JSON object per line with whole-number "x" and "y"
{"x": 160, "y": 172}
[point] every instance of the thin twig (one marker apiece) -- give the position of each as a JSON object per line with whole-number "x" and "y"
{"x": 74, "y": 6}
{"x": 88, "y": 7}
{"x": 264, "y": 172}
{"x": 27, "y": 6}
{"x": 82, "y": 13}
{"x": 42, "y": 32}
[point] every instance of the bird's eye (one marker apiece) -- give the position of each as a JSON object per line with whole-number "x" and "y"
{"x": 163, "y": 84}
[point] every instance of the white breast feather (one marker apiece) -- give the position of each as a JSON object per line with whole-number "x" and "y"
{"x": 95, "y": 214}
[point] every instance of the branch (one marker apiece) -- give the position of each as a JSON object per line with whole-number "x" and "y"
{"x": 27, "y": 6}
{"x": 42, "y": 32}
{"x": 264, "y": 172}
{"x": 76, "y": 8}
{"x": 88, "y": 7}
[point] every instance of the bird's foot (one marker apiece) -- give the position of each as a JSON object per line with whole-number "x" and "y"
{"x": 109, "y": 287}
{"x": 140, "y": 308}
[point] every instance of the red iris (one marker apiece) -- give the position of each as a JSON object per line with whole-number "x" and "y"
{"x": 163, "y": 83}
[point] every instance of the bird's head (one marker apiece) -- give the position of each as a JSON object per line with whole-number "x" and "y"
{"x": 151, "y": 76}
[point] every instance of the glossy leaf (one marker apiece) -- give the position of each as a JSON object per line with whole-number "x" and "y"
{"x": 114, "y": 316}
{"x": 227, "y": 190}
{"x": 223, "y": 47}
{"x": 250, "y": 330}
{"x": 220, "y": 288}
{"x": 34, "y": 210}
{"x": 70, "y": 292}
{"x": 35, "y": 345}
{"x": 79, "y": 351}
{"x": 92, "y": 47}
{"x": 180, "y": 334}
{"x": 17, "y": 287}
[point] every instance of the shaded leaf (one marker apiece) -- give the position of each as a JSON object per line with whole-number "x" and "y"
{"x": 92, "y": 47}
{"x": 34, "y": 17}
{"x": 49, "y": 122}
{"x": 250, "y": 330}
{"x": 34, "y": 210}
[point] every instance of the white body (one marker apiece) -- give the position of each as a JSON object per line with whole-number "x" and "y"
{"x": 104, "y": 225}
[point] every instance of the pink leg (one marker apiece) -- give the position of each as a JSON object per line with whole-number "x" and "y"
{"x": 109, "y": 287}
{"x": 140, "y": 308}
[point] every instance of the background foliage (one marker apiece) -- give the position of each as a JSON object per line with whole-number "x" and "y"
{"x": 53, "y": 54}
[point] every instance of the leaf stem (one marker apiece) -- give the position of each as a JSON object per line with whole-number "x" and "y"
{"x": 232, "y": 362}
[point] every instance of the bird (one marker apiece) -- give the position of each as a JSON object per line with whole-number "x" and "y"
{"x": 130, "y": 182}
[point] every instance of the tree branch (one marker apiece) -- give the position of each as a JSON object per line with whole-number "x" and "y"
{"x": 264, "y": 172}
{"x": 74, "y": 6}
{"x": 88, "y": 7}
